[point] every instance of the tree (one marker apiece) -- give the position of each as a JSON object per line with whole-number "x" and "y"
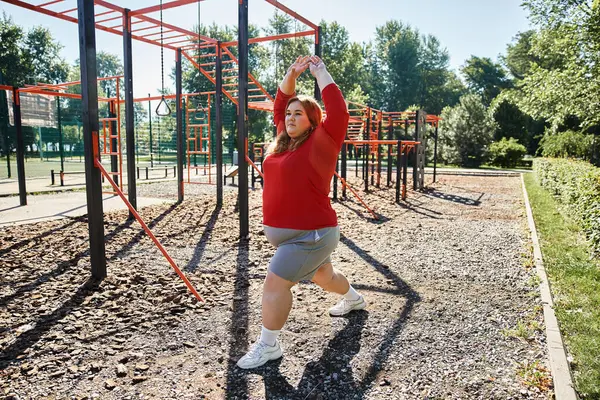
{"x": 287, "y": 50}
{"x": 506, "y": 153}
{"x": 439, "y": 86}
{"x": 398, "y": 49}
{"x": 564, "y": 76}
{"x": 485, "y": 78}
{"x": 466, "y": 131}
{"x": 408, "y": 68}
{"x": 519, "y": 57}
{"x": 108, "y": 65}
{"x": 345, "y": 60}
{"x": 44, "y": 55}
{"x": 26, "y": 58}
{"x": 15, "y": 68}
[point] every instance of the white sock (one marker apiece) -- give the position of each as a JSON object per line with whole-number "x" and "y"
{"x": 268, "y": 336}
{"x": 352, "y": 294}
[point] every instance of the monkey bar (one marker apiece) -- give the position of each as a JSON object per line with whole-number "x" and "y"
{"x": 92, "y": 15}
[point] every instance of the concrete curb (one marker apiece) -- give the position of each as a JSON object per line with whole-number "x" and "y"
{"x": 559, "y": 366}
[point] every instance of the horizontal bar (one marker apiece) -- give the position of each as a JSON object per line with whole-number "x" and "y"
{"x": 157, "y": 33}
{"x": 292, "y": 13}
{"x": 103, "y": 13}
{"x": 49, "y": 3}
{"x": 144, "y": 28}
{"x": 109, "y": 19}
{"x": 165, "y": 6}
{"x": 271, "y": 38}
{"x": 175, "y": 28}
{"x": 382, "y": 142}
{"x": 70, "y": 10}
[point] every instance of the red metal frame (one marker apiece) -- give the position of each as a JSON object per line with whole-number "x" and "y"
{"x": 172, "y": 262}
{"x": 141, "y": 16}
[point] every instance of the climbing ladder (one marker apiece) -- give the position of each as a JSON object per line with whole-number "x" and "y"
{"x": 111, "y": 143}
{"x": 198, "y": 137}
{"x": 258, "y": 97}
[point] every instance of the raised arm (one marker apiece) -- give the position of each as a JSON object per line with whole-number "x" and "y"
{"x": 336, "y": 123}
{"x": 287, "y": 89}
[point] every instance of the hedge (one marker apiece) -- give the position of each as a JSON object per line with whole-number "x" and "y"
{"x": 576, "y": 185}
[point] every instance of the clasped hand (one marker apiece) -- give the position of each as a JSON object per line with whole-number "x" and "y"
{"x": 314, "y": 63}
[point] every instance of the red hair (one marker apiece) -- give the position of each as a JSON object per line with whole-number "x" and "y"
{"x": 315, "y": 115}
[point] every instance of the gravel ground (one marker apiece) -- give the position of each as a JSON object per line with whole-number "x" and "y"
{"x": 443, "y": 273}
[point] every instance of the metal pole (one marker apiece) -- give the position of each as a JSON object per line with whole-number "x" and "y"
{"x": 335, "y": 179}
{"x": 398, "y": 170}
{"x": 130, "y": 139}
{"x": 419, "y": 167}
{"x": 405, "y": 173}
{"x": 114, "y": 158}
{"x": 242, "y": 113}
{"x": 20, "y": 148}
{"x": 317, "y": 53}
{"x": 219, "y": 125}
{"x": 4, "y": 124}
{"x": 344, "y": 166}
{"x": 390, "y": 136}
{"x": 415, "y": 152}
{"x": 7, "y": 145}
{"x": 89, "y": 92}
{"x": 150, "y": 138}
{"x": 366, "y": 134}
{"x": 435, "y": 152}
{"x": 379, "y": 137}
{"x": 40, "y": 144}
{"x": 78, "y": 137}
{"x": 60, "y": 136}
{"x": 179, "y": 116}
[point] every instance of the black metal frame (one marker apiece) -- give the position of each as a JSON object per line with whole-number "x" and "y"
{"x": 219, "y": 124}
{"x": 318, "y": 53}
{"x": 179, "y": 116}
{"x": 242, "y": 125}
{"x": 20, "y": 148}
{"x": 114, "y": 158}
{"x": 129, "y": 110}
{"x": 89, "y": 93}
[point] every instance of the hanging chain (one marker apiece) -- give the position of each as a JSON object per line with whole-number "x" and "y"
{"x": 162, "y": 62}
{"x": 162, "y": 70}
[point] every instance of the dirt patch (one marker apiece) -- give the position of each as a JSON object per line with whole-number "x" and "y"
{"x": 442, "y": 273}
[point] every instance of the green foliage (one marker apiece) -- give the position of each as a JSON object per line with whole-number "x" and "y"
{"x": 29, "y": 57}
{"x": 518, "y": 57}
{"x": 345, "y": 61}
{"x": 485, "y": 78}
{"x": 563, "y": 76}
{"x": 575, "y": 278}
{"x": 567, "y": 144}
{"x": 506, "y": 153}
{"x": 466, "y": 131}
{"x": 511, "y": 122}
{"x": 406, "y": 68}
{"x": 576, "y": 184}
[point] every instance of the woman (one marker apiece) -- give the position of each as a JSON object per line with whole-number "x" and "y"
{"x": 297, "y": 214}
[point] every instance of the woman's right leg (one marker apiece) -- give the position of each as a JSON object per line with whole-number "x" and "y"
{"x": 334, "y": 281}
{"x": 331, "y": 280}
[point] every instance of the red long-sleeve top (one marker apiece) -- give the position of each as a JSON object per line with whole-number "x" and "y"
{"x": 296, "y": 183}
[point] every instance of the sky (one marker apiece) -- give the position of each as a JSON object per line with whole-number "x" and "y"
{"x": 464, "y": 27}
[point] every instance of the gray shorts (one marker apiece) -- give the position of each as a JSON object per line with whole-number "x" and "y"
{"x": 300, "y": 253}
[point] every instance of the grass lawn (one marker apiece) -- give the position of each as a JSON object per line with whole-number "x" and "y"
{"x": 575, "y": 283}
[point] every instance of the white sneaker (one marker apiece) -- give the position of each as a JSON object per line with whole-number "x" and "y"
{"x": 345, "y": 306}
{"x": 259, "y": 354}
